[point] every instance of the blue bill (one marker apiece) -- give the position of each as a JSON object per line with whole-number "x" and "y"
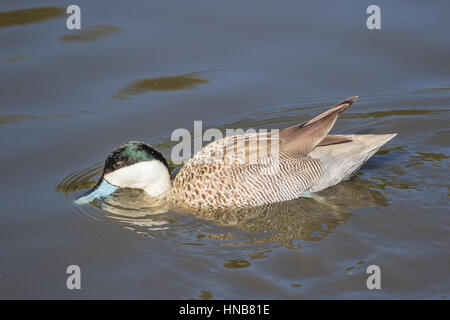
{"x": 103, "y": 190}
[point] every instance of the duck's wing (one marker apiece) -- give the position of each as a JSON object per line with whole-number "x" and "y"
{"x": 300, "y": 139}
{"x": 333, "y": 139}
{"x": 240, "y": 149}
{"x": 303, "y": 138}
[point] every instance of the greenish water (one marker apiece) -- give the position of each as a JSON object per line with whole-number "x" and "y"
{"x": 140, "y": 69}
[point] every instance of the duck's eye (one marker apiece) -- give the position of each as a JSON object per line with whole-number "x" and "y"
{"x": 118, "y": 164}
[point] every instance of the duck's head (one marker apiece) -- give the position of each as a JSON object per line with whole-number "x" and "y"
{"x": 132, "y": 165}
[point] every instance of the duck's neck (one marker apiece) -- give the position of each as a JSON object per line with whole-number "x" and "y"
{"x": 159, "y": 185}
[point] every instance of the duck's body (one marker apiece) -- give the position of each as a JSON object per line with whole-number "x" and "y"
{"x": 249, "y": 169}
{"x": 271, "y": 178}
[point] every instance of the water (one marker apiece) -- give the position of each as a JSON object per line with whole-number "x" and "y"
{"x": 140, "y": 69}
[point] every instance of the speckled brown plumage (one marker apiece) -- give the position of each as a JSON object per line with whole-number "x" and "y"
{"x": 255, "y": 169}
{"x": 235, "y": 181}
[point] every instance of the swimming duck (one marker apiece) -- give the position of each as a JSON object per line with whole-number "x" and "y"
{"x": 249, "y": 169}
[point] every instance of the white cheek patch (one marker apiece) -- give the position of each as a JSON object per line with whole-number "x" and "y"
{"x": 152, "y": 176}
{"x": 135, "y": 176}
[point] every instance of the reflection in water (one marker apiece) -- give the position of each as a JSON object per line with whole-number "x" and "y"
{"x": 381, "y": 114}
{"x": 17, "y": 57}
{"x": 258, "y": 255}
{"x": 237, "y": 264}
{"x": 422, "y": 157}
{"x": 303, "y": 218}
{"x": 29, "y": 16}
{"x": 430, "y": 156}
{"x": 133, "y": 207}
{"x": 136, "y": 210}
{"x": 178, "y": 82}
{"x": 92, "y": 34}
{"x": 386, "y": 151}
{"x": 13, "y": 118}
{"x": 382, "y": 183}
{"x": 433, "y": 90}
{"x": 283, "y": 223}
{"x": 206, "y": 295}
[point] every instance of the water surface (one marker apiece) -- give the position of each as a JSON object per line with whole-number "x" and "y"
{"x": 140, "y": 69}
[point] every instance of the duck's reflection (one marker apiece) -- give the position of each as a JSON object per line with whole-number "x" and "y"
{"x": 301, "y": 219}
{"x": 136, "y": 210}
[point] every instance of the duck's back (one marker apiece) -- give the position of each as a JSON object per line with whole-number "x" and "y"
{"x": 270, "y": 179}
{"x": 256, "y": 169}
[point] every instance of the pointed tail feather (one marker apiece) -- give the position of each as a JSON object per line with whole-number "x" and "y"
{"x": 303, "y": 138}
{"x": 341, "y": 161}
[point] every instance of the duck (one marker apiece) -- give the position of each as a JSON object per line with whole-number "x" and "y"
{"x": 245, "y": 170}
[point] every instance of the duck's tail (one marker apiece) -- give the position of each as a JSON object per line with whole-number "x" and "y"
{"x": 341, "y": 161}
